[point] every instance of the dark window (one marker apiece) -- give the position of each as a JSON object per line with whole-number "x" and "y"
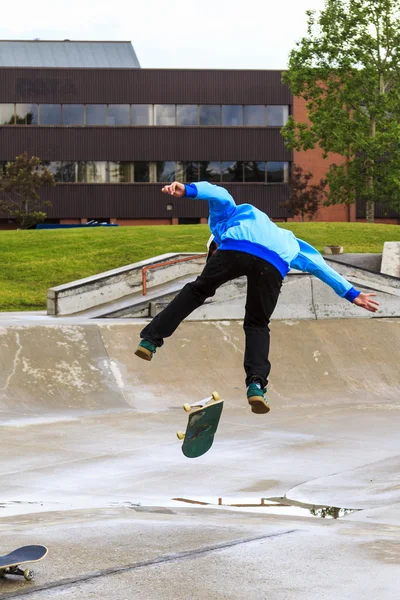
{"x": 142, "y": 172}
{"x": 210, "y": 114}
{"x": 254, "y": 171}
{"x": 232, "y": 170}
{"x": 73, "y": 114}
{"x": 96, "y": 114}
{"x": 50, "y": 114}
{"x": 254, "y": 115}
{"x": 232, "y": 115}
{"x": 27, "y": 114}
{"x": 142, "y": 114}
{"x": 118, "y": 114}
{"x": 165, "y": 114}
{"x": 277, "y": 115}
{"x": 166, "y": 170}
{"x": 277, "y": 172}
{"x": 7, "y": 114}
{"x": 188, "y": 220}
{"x": 210, "y": 171}
{"x": 187, "y": 114}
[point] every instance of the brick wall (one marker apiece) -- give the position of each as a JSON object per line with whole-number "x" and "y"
{"x": 312, "y": 160}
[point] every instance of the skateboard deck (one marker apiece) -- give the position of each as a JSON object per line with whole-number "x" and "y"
{"x": 10, "y": 563}
{"x": 202, "y": 425}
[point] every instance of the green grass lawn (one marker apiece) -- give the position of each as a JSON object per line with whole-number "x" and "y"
{"x": 32, "y": 261}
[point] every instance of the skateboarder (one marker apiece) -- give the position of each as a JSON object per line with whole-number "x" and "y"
{"x": 247, "y": 243}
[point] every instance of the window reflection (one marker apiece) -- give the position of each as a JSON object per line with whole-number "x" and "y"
{"x": 190, "y": 171}
{"x": 232, "y": 114}
{"x": 7, "y": 114}
{"x": 69, "y": 172}
{"x": 254, "y": 171}
{"x": 81, "y": 172}
{"x": 119, "y": 172}
{"x": 166, "y": 171}
{"x": 277, "y": 172}
{"x": 210, "y": 114}
{"x": 118, "y": 114}
{"x": 164, "y": 114}
{"x": 96, "y": 114}
{"x": 54, "y": 167}
{"x": 26, "y": 114}
{"x": 142, "y": 114}
{"x": 229, "y": 115}
{"x": 186, "y": 114}
{"x": 50, "y": 114}
{"x": 210, "y": 171}
{"x": 277, "y": 115}
{"x": 73, "y": 114}
{"x": 96, "y": 172}
{"x": 254, "y": 115}
{"x": 232, "y": 170}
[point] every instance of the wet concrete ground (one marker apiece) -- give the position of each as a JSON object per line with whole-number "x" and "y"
{"x": 91, "y": 465}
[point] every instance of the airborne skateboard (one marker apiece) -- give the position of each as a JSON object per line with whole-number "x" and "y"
{"x": 202, "y": 425}
{"x": 10, "y": 563}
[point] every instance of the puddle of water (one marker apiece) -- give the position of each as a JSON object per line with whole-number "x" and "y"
{"x": 277, "y": 506}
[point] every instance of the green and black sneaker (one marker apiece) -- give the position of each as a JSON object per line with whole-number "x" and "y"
{"x": 145, "y": 350}
{"x": 257, "y": 400}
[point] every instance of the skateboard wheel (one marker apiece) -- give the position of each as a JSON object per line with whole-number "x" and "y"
{"x": 187, "y": 407}
{"x": 215, "y": 396}
{"x": 28, "y": 574}
{"x": 180, "y": 435}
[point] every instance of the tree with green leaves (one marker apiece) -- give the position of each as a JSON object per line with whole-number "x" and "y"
{"x": 347, "y": 69}
{"x": 20, "y": 184}
{"x": 304, "y": 198}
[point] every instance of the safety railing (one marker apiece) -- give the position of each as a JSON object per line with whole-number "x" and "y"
{"x": 165, "y": 264}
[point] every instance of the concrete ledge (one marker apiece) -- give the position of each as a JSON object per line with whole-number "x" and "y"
{"x": 302, "y": 297}
{"x": 391, "y": 259}
{"x": 109, "y": 286}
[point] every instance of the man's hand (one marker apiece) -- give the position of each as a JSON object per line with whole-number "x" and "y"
{"x": 364, "y": 301}
{"x": 176, "y": 189}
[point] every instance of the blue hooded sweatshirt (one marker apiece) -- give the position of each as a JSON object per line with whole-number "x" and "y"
{"x": 246, "y": 229}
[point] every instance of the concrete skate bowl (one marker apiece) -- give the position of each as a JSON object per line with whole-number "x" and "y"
{"x": 85, "y": 423}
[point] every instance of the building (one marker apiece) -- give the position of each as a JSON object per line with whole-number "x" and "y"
{"x": 112, "y": 132}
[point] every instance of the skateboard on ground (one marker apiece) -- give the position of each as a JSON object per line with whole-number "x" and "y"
{"x": 10, "y": 563}
{"x": 202, "y": 425}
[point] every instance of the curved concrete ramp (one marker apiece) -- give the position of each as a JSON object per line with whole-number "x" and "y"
{"x": 86, "y": 423}
{"x": 55, "y": 370}
{"x": 90, "y": 465}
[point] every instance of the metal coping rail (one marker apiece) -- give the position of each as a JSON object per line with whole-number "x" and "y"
{"x": 164, "y": 264}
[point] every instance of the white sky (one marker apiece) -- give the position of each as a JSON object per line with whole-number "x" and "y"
{"x": 220, "y": 34}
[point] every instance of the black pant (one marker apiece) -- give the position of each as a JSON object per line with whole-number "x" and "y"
{"x": 263, "y": 287}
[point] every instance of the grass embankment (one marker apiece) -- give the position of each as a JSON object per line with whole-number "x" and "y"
{"x": 32, "y": 261}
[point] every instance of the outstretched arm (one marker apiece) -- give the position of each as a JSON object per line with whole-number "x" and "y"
{"x": 310, "y": 260}
{"x": 221, "y": 203}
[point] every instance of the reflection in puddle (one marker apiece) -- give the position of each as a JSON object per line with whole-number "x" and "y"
{"x": 332, "y": 512}
{"x": 277, "y": 506}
